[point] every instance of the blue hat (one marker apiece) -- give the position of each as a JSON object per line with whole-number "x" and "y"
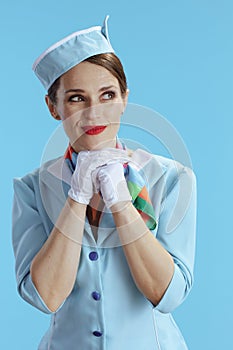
{"x": 70, "y": 51}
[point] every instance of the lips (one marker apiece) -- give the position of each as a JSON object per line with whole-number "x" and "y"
{"x": 90, "y": 130}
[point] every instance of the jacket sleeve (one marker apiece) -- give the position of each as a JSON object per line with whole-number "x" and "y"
{"x": 28, "y": 236}
{"x": 176, "y": 232}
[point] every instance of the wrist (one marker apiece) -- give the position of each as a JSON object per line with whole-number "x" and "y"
{"x": 76, "y": 206}
{"x": 71, "y": 220}
{"x": 121, "y": 208}
{"x": 78, "y": 197}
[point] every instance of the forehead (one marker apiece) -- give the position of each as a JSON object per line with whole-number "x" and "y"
{"x": 87, "y": 74}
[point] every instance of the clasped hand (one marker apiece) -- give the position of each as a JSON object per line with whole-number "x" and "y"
{"x": 103, "y": 171}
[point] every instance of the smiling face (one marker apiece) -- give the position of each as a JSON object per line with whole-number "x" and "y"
{"x": 90, "y": 105}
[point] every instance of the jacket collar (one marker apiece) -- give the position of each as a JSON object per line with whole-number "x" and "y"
{"x": 146, "y": 163}
{"x": 55, "y": 178}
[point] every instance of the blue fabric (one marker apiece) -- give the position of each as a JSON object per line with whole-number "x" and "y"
{"x": 123, "y": 316}
{"x": 70, "y": 51}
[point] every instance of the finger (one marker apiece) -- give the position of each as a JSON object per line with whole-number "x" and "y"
{"x": 95, "y": 180}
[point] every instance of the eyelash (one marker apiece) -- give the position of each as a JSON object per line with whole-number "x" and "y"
{"x": 83, "y": 98}
{"x": 76, "y": 96}
{"x": 110, "y": 93}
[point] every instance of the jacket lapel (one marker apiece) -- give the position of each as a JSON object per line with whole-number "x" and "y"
{"x": 55, "y": 180}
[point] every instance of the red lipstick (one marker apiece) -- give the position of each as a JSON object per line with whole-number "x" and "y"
{"x": 90, "y": 130}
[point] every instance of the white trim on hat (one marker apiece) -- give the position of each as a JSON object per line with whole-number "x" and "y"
{"x": 62, "y": 41}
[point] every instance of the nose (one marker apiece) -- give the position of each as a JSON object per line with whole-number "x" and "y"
{"x": 93, "y": 111}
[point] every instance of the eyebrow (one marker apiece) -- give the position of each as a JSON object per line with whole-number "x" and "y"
{"x": 83, "y": 91}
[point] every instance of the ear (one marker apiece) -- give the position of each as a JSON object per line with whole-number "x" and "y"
{"x": 125, "y": 100}
{"x": 52, "y": 108}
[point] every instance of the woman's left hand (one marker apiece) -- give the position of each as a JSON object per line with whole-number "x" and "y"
{"x": 110, "y": 180}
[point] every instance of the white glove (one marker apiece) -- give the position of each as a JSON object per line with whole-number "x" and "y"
{"x": 110, "y": 180}
{"x": 107, "y": 156}
{"x": 81, "y": 189}
{"x": 81, "y": 182}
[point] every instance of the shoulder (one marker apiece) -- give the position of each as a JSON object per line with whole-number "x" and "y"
{"x": 31, "y": 179}
{"x": 155, "y": 167}
{"x": 174, "y": 170}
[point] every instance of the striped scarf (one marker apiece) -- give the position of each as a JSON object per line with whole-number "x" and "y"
{"x": 136, "y": 186}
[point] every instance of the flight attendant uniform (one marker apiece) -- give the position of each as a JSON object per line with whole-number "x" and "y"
{"x": 105, "y": 310}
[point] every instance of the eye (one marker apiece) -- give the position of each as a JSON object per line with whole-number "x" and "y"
{"x": 76, "y": 98}
{"x": 108, "y": 95}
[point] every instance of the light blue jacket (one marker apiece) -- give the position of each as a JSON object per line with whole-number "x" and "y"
{"x": 105, "y": 310}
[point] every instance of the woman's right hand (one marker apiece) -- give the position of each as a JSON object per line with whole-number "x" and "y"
{"x": 81, "y": 189}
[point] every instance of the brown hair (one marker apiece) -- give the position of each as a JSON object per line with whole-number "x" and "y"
{"x": 107, "y": 60}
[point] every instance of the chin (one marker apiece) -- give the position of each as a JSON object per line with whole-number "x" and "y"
{"x": 95, "y": 143}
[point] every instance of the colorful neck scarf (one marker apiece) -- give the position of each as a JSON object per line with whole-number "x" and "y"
{"x": 136, "y": 186}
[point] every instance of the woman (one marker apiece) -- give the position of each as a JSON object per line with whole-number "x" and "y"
{"x": 90, "y": 228}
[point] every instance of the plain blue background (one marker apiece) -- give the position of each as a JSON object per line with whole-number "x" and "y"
{"x": 178, "y": 59}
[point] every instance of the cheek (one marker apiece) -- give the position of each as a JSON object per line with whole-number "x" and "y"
{"x": 64, "y": 109}
{"x": 71, "y": 126}
{"x": 71, "y": 118}
{"x": 114, "y": 110}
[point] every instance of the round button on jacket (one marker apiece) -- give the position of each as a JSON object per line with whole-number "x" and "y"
{"x": 96, "y": 295}
{"x": 93, "y": 256}
{"x": 97, "y": 333}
